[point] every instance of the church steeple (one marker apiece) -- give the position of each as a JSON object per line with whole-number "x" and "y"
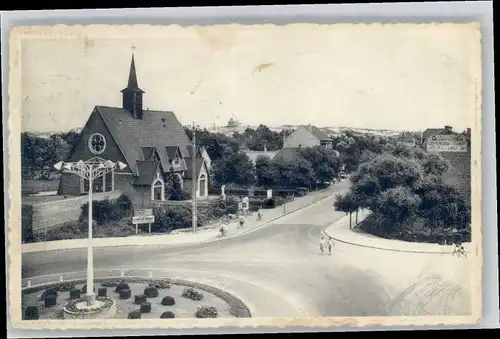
{"x": 132, "y": 95}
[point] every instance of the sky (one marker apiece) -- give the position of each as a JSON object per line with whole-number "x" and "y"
{"x": 404, "y": 77}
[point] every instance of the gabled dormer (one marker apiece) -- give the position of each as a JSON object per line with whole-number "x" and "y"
{"x": 175, "y": 158}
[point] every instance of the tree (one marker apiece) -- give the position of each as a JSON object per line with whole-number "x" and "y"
{"x": 233, "y": 168}
{"x": 266, "y": 171}
{"x": 397, "y": 205}
{"x": 442, "y": 205}
{"x": 295, "y": 172}
{"x": 435, "y": 164}
{"x": 347, "y": 203}
{"x": 173, "y": 186}
{"x": 324, "y": 162}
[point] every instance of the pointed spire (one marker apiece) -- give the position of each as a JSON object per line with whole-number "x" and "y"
{"x": 132, "y": 78}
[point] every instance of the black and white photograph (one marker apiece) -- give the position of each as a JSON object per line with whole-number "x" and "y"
{"x": 245, "y": 175}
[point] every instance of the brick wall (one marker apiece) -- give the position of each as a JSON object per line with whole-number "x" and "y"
{"x": 54, "y": 213}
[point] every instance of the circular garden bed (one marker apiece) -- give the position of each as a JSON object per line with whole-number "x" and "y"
{"x": 136, "y": 299}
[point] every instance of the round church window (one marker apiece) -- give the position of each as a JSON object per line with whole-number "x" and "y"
{"x": 97, "y": 143}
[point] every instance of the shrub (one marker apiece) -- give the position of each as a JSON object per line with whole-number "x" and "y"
{"x": 167, "y": 315}
{"x": 47, "y": 292}
{"x": 122, "y": 286}
{"x": 102, "y": 292}
{"x": 168, "y": 301}
{"x": 31, "y": 313}
{"x": 50, "y": 300}
{"x": 111, "y": 282}
{"x": 139, "y": 299}
{"x": 192, "y": 294}
{"x": 63, "y": 286}
{"x": 134, "y": 315}
{"x": 75, "y": 293}
{"x": 269, "y": 203}
{"x": 151, "y": 292}
{"x": 160, "y": 284}
{"x": 220, "y": 207}
{"x": 207, "y": 312}
{"x": 107, "y": 210}
{"x": 168, "y": 218}
{"x": 146, "y": 307}
{"x": 125, "y": 294}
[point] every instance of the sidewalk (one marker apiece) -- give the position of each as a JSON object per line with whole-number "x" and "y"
{"x": 340, "y": 232}
{"x": 203, "y": 235}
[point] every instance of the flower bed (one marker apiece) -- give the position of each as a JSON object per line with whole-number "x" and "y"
{"x": 225, "y": 304}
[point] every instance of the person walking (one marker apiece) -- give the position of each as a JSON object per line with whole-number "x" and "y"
{"x": 330, "y": 245}
{"x": 242, "y": 221}
{"x": 322, "y": 245}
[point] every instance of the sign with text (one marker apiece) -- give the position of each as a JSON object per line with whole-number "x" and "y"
{"x": 148, "y": 219}
{"x": 245, "y": 203}
{"x": 143, "y": 216}
{"x": 447, "y": 143}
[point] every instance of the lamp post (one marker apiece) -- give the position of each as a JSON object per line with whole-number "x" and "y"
{"x": 89, "y": 170}
{"x": 194, "y": 181}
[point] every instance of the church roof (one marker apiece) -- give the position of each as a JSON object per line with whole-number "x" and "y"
{"x": 156, "y": 129}
{"x": 287, "y": 153}
{"x": 430, "y": 132}
{"x": 318, "y": 133}
{"x": 147, "y": 171}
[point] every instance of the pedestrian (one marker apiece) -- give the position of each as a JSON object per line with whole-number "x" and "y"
{"x": 330, "y": 245}
{"x": 242, "y": 221}
{"x": 322, "y": 245}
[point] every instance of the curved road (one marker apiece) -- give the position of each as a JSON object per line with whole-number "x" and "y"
{"x": 278, "y": 271}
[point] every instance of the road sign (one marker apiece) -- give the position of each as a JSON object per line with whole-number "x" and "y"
{"x": 269, "y": 194}
{"x": 245, "y": 203}
{"x": 142, "y": 212}
{"x": 147, "y": 219}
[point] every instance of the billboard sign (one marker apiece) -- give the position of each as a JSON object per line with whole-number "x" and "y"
{"x": 447, "y": 143}
{"x": 143, "y": 216}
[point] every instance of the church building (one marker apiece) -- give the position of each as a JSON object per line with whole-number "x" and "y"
{"x": 153, "y": 145}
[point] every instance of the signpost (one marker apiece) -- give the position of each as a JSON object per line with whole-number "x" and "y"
{"x": 143, "y": 216}
{"x": 269, "y": 194}
{"x": 447, "y": 143}
{"x": 245, "y": 205}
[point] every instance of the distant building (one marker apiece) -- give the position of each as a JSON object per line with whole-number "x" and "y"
{"x": 407, "y": 138}
{"x": 455, "y": 148}
{"x": 232, "y": 123}
{"x": 153, "y": 144}
{"x": 307, "y": 136}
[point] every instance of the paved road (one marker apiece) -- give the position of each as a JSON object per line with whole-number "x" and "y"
{"x": 278, "y": 271}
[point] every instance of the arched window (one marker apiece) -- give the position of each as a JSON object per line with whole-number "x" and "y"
{"x": 158, "y": 188}
{"x": 202, "y": 185}
{"x": 180, "y": 180}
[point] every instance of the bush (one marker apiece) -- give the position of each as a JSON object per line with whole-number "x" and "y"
{"x": 160, "y": 284}
{"x": 151, "y": 292}
{"x": 111, "y": 282}
{"x": 168, "y": 218}
{"x": 167, "y": 315}
{"x": 50, "y": 300}
{"x": 63, "y": 286}
{"x": 122, "y": 286}
{"x": 192, "y": 294}
{"x": 31, "y": 313}
{"x": 220, "y": 207}
{"x": 75, "y": 293}
{"x": 139, "y": 299}
{"x": 134, "y": 315}
{"x": 125, "y": 294}
{"x": 168, "y": 301}
{"x": 48, "y": 292}
{"x": 207, "y": 312}
{"x": 107, "y": 210}
{"x": 102, "y": 292}
{"x": 146, "y": 307}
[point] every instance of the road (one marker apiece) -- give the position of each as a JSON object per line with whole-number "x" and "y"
{"x": 277, "y": 270}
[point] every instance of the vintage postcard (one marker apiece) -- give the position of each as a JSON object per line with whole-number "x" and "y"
{"x": 244, "y": 175}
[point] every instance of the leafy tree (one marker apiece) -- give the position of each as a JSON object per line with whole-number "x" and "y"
{"x": 296, "y": 172}
{"x": 442, "y": 205}
{"x": 397, "y": 205}
{"x": 324, "y": 162}
{"x": 233, "y": 168}
{"x": 347, "y": 203}
{"x": 266, "y": 171}
{"x": 435, "y": 164}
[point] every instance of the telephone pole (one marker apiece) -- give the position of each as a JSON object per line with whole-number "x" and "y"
{"x": 194, "y": 180}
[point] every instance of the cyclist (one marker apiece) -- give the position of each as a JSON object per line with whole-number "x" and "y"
{"x": 259, "y": 214}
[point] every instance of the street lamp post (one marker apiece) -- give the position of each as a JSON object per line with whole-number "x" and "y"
{"x": 90, "y": 170}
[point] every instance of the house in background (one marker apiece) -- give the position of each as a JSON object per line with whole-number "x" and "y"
{"x": 303, "y": 136}
{"x": 455, "y": 148}
{"x": 153, "y": 145}
{"x": 307, "y": 136}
